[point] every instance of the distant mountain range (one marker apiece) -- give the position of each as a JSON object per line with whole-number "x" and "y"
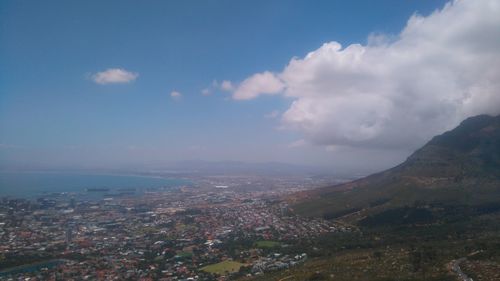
{"x": 199, "y": 167}
{"x": 460, "y": 167}
{"x": 238, "y": 167}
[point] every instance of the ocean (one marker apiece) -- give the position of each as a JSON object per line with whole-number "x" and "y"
{"x": 35, "y": 184}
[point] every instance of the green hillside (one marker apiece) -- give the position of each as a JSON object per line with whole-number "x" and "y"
{"x": 458, "y": 168}
{"x": 416, "y": 221}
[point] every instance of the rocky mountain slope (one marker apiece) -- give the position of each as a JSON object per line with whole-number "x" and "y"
{"x": 460, "y": 167}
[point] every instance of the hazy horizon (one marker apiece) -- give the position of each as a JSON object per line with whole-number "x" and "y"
{"x": 341, "y": 86}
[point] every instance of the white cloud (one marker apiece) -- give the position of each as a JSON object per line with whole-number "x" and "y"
{"x": 395, "y": 91}
{"x": 257, "y": 84}
{"x": 210, "y": 89}
{"x": 114, "y": 75}
{"x": 175, "y": 95}
{"x": 227, "y": 86}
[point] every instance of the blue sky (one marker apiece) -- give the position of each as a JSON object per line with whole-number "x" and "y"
{"x": 53, "y": 113}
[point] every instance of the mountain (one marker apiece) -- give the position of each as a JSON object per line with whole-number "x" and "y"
{"x": 238, "y": 167}
{"x": 459, "y": 168}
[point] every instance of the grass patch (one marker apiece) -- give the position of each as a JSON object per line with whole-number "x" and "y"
{"x": 267, "y": 244}
{"x": 224, "y": 267}
{"x": 184, "y": 255}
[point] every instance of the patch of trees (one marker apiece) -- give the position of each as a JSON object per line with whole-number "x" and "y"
{"x": 334, "y": 215}
{"x": 190, "y": 211}
{"x": 379, "y": 202}
{"x": 400, "y": 216}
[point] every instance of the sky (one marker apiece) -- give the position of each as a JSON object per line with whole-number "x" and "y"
{"x": 346, "y": 85}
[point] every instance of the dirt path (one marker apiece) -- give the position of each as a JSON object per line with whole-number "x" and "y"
{"x": 455, "y": 268}
{"x": 288, "y": 277}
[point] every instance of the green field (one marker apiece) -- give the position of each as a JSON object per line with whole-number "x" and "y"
{"x": 267, "y": 244}
{"x": 224, "y": 267}
{"x": 184, "y": 255}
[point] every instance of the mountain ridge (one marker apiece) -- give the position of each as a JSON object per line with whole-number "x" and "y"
{"x": 460, "y": 166}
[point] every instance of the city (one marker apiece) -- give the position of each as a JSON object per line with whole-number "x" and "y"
{"x": 184, "y": 233}
{"x": 250, "y": 140}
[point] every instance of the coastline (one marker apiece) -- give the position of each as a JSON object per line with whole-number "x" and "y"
{"x": 120, "y": 174}
{"x": 31, "y": 184}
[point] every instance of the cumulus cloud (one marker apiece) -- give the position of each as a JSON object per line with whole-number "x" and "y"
{"x": 114, "y": 75}
{"x": 393, "y": 92}
{"x": 258, "y": 84}
{"x": 210, "y": 89}
{"x": 175, "y": 95}
{"x": 227, "y": 86}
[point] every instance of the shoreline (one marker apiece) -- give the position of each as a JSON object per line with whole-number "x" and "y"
{"x": 90, "y": 174}
{"x": 33, "y": 184}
